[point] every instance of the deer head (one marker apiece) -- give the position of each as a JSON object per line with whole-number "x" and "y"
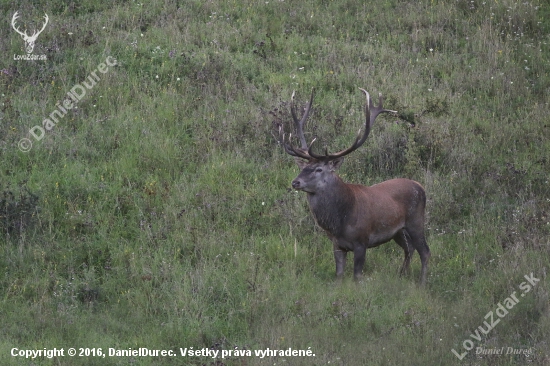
{"x": 317, "y": 169}
{"x": 29, "y": 40}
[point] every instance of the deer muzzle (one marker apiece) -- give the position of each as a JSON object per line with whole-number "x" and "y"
{"x": 296, "y": 184}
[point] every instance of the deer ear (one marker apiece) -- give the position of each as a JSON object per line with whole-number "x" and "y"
{"x": 301, "y": 162}
{"x": 335, "y": 164}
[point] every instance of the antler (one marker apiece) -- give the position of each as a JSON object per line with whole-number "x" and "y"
{"x": 24, "y": 34}
{"x": 299, "y": 126}
{"x": 43, "y": 27}
{"x": 13, "y": 19}
{"x": 307, "y": 153}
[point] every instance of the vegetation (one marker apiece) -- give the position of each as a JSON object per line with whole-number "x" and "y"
{"x": 159, "y": 214}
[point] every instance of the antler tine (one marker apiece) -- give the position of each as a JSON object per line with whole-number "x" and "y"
{"x": 296, "y": 151}
{"x": 369, "y": 121}
{"x": 379, "y": 109}
{"x": 299, "y": 124}
{"x": 289, "y": 148}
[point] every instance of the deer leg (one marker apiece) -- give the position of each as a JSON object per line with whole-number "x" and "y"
{"x": 340, "y": 259}
{"x": 359, "y": 252}
{"x": 419, "y": 242}
{"x": 404, "y": 240}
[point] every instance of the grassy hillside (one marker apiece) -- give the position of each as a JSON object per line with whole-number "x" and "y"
{"x": 157, "y": 211}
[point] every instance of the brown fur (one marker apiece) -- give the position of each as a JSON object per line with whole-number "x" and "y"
{"x": 357, "y": 217}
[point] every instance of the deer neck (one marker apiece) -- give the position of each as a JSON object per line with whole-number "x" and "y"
{"x": 332, "y": 205}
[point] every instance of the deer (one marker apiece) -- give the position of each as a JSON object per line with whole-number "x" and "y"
{"x": 357, "y": 217}
{"x": 29, "y": 40}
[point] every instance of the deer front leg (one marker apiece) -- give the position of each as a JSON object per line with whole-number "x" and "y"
{"x": 340, "y": 259}
{"x": 358, "y": 261}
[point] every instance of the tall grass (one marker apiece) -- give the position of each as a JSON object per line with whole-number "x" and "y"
{"x": 159, "y": 212}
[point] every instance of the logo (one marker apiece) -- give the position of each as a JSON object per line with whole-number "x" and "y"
{"x": 29, "y": 40}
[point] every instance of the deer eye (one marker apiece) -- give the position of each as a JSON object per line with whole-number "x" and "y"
{"x": 318, "y": 170}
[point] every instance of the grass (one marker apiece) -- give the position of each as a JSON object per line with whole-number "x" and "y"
{"x": 159, "y": 212}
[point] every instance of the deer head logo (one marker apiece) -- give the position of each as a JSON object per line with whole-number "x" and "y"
{"x": 29, "y": 40}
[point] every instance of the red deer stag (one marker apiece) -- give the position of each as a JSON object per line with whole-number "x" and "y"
{"x": 357, "y": 217}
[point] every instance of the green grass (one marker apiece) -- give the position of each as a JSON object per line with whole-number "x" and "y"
{"x": 159, "y": 212}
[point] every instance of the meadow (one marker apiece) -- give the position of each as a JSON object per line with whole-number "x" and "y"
{"x": 156, "y": 212}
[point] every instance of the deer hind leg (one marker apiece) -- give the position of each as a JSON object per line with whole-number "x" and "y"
{"x": 420, "y": 244}
{"x": 404, "y": 240}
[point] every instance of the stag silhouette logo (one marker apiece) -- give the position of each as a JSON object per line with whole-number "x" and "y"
{"x": 29, "y": 40}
